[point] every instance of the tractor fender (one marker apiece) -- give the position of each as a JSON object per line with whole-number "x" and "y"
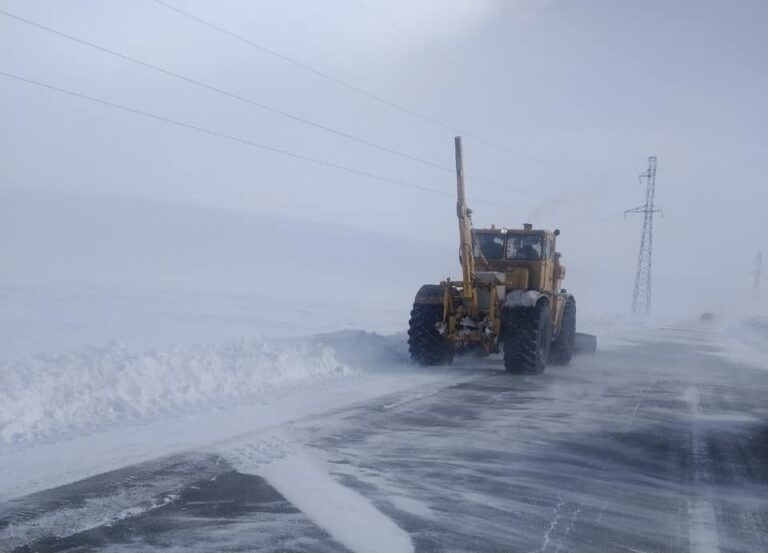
{"x": 430, "y": 293}
{"x": 523, "y": 298}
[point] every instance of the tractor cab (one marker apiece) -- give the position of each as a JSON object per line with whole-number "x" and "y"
{"x": 525, "y": 256}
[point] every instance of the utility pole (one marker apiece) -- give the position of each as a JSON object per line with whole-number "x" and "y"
{"x": 641, "y": 298}
{"x": 757, "y": 272}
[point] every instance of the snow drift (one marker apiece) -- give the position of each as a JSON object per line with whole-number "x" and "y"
{"x": 48, "y": 395}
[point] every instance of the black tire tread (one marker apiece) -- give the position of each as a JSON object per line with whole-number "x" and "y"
{"x": 521, "y": 339}
{"x": 425, "y": 344}
{"x": 562, "y": 346}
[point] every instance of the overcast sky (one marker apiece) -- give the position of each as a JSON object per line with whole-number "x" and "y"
{"x": 564, "y": 99}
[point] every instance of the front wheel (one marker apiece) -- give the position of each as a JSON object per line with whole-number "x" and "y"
{"x": 527, "y": 337}
{"x": 562, "y": 346}
{"x": 425, "y": 343}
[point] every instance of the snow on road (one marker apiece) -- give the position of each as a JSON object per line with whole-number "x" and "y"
{"x": 262, "y": 390}
{"x": 335, "y": 440}
{"x": 305, "y": 480}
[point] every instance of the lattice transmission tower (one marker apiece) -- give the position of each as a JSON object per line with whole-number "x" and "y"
{"x": 641, "y": 298}
{"x": 758, "y": 276}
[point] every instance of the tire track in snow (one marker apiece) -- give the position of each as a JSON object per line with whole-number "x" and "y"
{"x": 555, "y": 520}
{"x": 100, "y": 501}
{"x": 602, "y": 468}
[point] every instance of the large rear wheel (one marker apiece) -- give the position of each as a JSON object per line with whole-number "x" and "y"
{"x": 527, "y": 337}
{"x": 425, "y": 343}
{"x": 562, "y": 346}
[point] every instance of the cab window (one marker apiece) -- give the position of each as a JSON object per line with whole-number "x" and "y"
{"x": 524, "y": 247}
{"x": 492, "y": 245}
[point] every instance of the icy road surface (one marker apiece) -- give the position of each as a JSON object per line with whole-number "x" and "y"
{"x": 659, "y": 444}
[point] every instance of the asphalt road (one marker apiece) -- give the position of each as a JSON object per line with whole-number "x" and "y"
{"x": 659, "y": 446}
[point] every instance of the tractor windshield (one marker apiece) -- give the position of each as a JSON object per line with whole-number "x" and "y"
{"x": 523, "y": 247}
{"x": 492, "y": 245}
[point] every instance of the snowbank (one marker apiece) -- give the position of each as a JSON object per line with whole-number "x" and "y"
{"x": 748, "y": 341}
{"x": 47, "y": 395}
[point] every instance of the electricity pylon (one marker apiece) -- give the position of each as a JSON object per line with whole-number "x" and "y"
{"x": 644, "y": 276}
{"x": 758, "y": 275}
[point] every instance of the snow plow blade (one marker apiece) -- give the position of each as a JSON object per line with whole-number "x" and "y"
{"x": 585, "y": 343}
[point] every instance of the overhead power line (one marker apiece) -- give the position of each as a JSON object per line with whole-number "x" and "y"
{"x": 225, "y": 136}
{"x": 359, "y": 90}
{"x": 224, "y": 92}
{"x": 251, "y": 102}
{"x": 244, "y": 141}
{"x": 277, "y": 111}
{"x": 305, "y": 67}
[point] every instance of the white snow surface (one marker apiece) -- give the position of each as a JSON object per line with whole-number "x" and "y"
{"x": 45, "y": 396}
{"x": 28, "y": 467}
{"x": 748, "y": 341}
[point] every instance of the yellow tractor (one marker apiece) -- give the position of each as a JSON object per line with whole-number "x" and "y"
{"x": 510, "y": 299}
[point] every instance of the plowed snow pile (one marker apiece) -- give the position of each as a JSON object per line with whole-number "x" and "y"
{"x": 748, "y": 341}
{"x": 93, "y": 388}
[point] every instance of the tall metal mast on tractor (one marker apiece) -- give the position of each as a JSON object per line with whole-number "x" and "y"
{"x": 510, "y": 298}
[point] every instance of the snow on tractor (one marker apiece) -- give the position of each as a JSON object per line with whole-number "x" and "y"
{"x": 510, "y": 299}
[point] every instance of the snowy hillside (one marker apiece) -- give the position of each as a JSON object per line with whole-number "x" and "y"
{"x": 80, "y": 272}
{"x": 50, "y": 240}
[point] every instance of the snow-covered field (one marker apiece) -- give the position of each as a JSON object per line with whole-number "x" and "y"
{"x": 117, "y": 312}
{"x": 265, "y": 346}
{"x": 96, "y": 408}
{"x": 102, "y": 370}
{"x": 105, "y": 393}
{"x": 94, "y": 380}
{"x": 63, "y": 371}
{"x": 381, "y": 453}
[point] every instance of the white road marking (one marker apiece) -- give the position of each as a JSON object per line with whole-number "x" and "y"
{"x": 702, "y": 528}
{"x": 305, "y": 481}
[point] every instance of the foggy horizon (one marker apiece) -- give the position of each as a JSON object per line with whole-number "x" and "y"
{"x": 575, "y": 95}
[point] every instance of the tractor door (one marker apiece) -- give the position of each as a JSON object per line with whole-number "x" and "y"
{"x": 548, "y": 265}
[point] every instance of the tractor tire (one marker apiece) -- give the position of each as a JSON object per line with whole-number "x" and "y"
{"x": 563, "y": 345}
{"x": 527, "y": 339}
{"x": 425, "y": 343}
